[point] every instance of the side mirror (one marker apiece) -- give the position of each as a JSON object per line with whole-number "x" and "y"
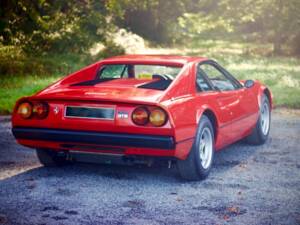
{"x": 249, "y": 83}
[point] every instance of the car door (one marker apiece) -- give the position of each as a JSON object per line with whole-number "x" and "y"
{"x": 247, "y": 108}
{"x": 227, "y": 97}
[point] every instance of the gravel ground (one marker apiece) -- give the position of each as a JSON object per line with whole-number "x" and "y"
{"x": 248, "y": 185}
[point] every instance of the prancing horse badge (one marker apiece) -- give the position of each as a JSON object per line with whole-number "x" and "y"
{"x": 56, "y": 110}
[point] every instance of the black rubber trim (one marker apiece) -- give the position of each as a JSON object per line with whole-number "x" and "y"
{"x": 92, "y": 82}
{"x": 114, "y": 139}
{"x": 157, "y": 85}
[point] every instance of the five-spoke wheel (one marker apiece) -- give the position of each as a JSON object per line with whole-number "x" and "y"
{"x": 200, "y": 159}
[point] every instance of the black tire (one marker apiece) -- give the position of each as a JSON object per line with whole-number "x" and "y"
{"x": 258, "y": 136}
{"x": 50, "y": 158}
{"x": 191, "y": 168}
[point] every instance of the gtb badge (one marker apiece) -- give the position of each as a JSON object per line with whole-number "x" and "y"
{"x": 122, "y": 115}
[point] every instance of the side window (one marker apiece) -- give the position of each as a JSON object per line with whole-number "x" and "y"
{"x": 217, "y": 78}
{"x": 201, "y": 83}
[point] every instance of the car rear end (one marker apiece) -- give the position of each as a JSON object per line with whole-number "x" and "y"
{"x": 94, "y": 127}
{"x": 110, "y": 108}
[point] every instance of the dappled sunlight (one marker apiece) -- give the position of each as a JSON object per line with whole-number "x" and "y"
{"x": 132, "y": 43}
{"x": 288, "y": 81}
{"x": 10, "y": 169}
{"x": 161, "y": 51}
{"x": 263, "y": 66}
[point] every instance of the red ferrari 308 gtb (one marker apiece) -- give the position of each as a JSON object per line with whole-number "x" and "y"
{"x": 142, "y": 107}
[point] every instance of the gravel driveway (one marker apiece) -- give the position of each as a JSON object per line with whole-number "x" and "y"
{"x": 248, "y": 185}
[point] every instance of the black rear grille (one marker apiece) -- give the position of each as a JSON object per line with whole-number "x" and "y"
{"x": 90, "y": 112}
{"x": 93, "y": 147}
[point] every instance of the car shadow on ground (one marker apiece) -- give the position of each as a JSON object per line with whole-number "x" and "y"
{"x": 225, "y": 160}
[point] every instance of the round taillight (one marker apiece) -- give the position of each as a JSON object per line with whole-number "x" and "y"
{"x": 40, "y": 110}
{"x": 25, "y": 110}
{"x": 157, "y": 117}
{"x": 140, "y": 116}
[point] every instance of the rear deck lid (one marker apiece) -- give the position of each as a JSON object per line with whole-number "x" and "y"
{"x": 119, "y": 90}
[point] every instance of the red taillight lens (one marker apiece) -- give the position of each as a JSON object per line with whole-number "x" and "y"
{"x": 154, "y": 116}
{"x": 140, "y": 116}
{"x": 40, "y": 110}
{"x": 157, "y": 117}
{"x": 25, "y": 110}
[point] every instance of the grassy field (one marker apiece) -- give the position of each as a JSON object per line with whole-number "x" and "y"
{"x": 25, "y": 76}
{"x": 245, "y": 61}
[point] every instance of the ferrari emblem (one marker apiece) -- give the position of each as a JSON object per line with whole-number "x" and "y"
{"x": 56, "y": 110}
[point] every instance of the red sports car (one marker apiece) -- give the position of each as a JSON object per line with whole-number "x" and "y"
{"x": 138, "y": 108}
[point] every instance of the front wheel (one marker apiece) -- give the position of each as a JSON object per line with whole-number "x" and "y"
{"x": 198, "y": 164}
{"x": 261, "y": 130}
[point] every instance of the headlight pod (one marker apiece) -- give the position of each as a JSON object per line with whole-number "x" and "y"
{"x": 154, "y": 116}
{"x": 27, "y": 110}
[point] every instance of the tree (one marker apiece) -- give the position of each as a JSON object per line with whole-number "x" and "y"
{"x": 275, "y": 21}
{"x": 156, "y": 20}
{"x": 74, "y": 25}
{"x": 49, "y": 25}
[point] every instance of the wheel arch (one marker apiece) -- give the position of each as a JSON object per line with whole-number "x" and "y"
{"x": 213, "y": 119}
{"x": 268, "y": 93}
{"x": 261, "y": 90}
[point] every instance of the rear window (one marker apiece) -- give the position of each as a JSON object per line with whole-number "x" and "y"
{"x": 137, "y": 71}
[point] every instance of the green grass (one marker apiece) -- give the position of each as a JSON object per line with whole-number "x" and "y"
{"x": 12, "y": 88}
{"x": 244, "y": 60}
{"x": 281, "y": 75}
{"x": 22, "y": 75}
{"x": 255, "y": 61}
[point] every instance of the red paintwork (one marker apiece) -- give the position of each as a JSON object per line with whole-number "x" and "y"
{"x": 236, "y": 111}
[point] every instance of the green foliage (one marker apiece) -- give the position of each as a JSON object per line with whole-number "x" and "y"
{"x": 14, "y": 61}
{"x": 17, "y": 86}
{"x": 200, "y": 25}
{"x": 55, "y": 26}
{"x": 153, "y": 19}
{"x": 70, "y": 25}
{"x": 111, "y": 49}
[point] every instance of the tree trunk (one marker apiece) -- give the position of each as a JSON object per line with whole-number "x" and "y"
{"x": 277, "y": 50}
{"x": 296, "y": 47}
{"x": 277, "y": 45}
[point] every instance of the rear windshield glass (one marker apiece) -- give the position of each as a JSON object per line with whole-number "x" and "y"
{"x": 138, "y": 71}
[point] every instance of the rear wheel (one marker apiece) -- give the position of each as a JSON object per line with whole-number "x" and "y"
{"x": 50, "y": 158}
{"x": 198, "y": 164}
{"x": 261, "y": 131}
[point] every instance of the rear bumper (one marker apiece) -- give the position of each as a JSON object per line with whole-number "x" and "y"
{"x": 87, "y": 137}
